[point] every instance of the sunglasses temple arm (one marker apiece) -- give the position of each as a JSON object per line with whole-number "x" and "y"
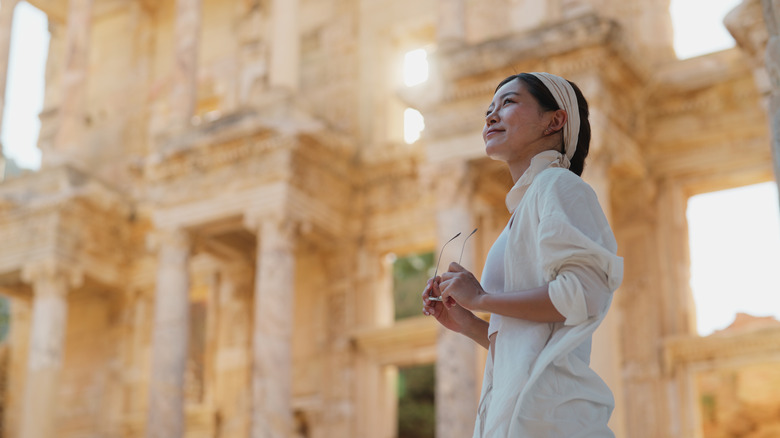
{"x": 464, "y": 245}
{"x": 436, "y": 272}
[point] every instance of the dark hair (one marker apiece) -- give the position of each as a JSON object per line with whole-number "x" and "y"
{"x": 547, "y": 102}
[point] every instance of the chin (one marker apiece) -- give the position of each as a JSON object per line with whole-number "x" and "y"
{"x": 494, "y": 154}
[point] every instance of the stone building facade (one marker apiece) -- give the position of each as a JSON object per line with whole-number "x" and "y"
{"x": 204, "y": 250}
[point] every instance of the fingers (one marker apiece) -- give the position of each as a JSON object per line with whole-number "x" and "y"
{"x": 436, "y": 289}
{"x": 445, "y": 294}
{"x": 449, "y": 285}
{"x": 429, "y": 285}
{"x": 447, "y": 300}
{"x": 455, "y": 267}
{"x": 453, "y": 271}
{"x": 431, "y": 290}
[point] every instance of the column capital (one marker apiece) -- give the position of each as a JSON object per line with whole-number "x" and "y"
{"x": 52, "y": 271}
{"x": 275, "y": 223}
{"x": 169, "y": 238}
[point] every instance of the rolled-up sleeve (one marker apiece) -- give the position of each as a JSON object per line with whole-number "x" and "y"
{"x": 579, "y": 292}
{"x": 580, "y": 270}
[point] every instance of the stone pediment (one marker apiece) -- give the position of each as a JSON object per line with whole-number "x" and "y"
{"x": 566, "y": 36}
{"x": 64, "y": 215}
{"x": 240, "y": 150}
{"x": 253, "y": 165}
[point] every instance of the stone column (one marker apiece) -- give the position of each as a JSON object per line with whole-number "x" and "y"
{"x": 285, "y": 45}
{"x": 184, "y": 95}
{"x": 7, "y": 8}
{"x": 606, "y": 355}
{"x": 273, "y": 326}
{"x": 451, "y": 25}
{"x": 772, "y": 58}
{"x": 73, "y": 105}
{"x": 51, "y": 282}
{"x": 232, "y": 361}
{"x": 457, "y": 388}
{"x": 169, "y": 336}
{"x": 252, "y": 52}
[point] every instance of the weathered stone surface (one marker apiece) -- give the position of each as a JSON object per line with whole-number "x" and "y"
{"x": 170, "y": 335}
{"x": 269, "y": 134}
{"x": 51, "y": 282}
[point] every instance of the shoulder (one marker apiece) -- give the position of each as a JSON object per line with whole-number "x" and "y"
{"x": 560, "y": 190}
{"x": 560, "y": 181}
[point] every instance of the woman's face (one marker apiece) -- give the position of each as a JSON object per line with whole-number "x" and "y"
{"x": 514, "y": 124}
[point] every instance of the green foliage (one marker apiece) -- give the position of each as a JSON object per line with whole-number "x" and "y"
{"x": 416, "y": 402}
{"x": 410, "y": 275}
{"x": 708, "y": 407}
{"x": 5, "y": 317}
{"x": 416, "y": 385}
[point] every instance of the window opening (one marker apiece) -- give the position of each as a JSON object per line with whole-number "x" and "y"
{"x": 414, "y": 124}
{"x": 410, "y": 274}
{"x": 734, "y": 238}
{"x": 25, "y": 88}
{"x": 698, "y": 26}
{"x": 195, "y": 373}
{"x": 415, "y": 67}
{"x": 416, "y": 402}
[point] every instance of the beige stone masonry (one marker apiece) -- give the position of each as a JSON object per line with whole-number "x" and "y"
{"x": 170, "y": 335}
{"x": 284, "y": 69}
{"x": 457, "y": 374}
{"x": 262, "y": 140}
{"x": 72, "y": 109}
{"x": 273, "y": 326}
{"x": 451, "y": 29}
{"x": 51, "y": 282}
{"x": 184, "y": 94}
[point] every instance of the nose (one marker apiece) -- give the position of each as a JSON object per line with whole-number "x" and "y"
{"x": 491, "y": 117}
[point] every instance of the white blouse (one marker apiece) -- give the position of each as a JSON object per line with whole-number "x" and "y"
{"x": 540, "y": 383}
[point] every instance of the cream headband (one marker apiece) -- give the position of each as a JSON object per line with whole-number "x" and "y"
{"x": 564, "y": 95}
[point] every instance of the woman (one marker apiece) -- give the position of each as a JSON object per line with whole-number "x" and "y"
{"x": 549, "y": 277}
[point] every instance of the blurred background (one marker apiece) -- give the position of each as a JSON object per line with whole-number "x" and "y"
{"x": 217, "y": 217}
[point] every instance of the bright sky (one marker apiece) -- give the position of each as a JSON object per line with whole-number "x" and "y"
{"x": 735, "y": 254}
{"x": 735, "y": 236}
{"x": 698, "y": 26}
{"x": 24, "y": 91}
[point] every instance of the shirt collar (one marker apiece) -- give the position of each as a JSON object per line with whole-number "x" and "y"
{"x": 540, "y": 162}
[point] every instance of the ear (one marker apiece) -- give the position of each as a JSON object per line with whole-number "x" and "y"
{"x": 559, "y": 118}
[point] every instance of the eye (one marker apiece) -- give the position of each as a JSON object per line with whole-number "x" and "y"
{"x": 508, "y": 101}
{"x": 487, "y": 113}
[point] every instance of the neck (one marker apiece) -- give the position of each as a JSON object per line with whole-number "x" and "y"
{"x": 520, "y": 164}
{"x": 518, "y": 168}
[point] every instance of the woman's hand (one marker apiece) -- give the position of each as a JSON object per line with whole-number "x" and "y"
{"x": 455, "y": 318}
{"x": 459, "y": 286}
